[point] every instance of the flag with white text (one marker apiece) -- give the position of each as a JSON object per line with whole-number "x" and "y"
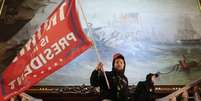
{"x": 58, "y": 41}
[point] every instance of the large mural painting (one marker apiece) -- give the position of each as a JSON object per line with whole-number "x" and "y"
{"x": 153, "y": 35}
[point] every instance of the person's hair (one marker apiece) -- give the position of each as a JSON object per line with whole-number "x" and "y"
{"x": 150, "y": 75}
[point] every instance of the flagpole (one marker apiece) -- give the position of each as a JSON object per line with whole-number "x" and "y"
{"x": 90, "y": 31}
{"x": 2, "y": 5}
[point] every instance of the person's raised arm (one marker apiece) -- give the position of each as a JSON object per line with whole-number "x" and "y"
{"x": 95, "y": 76}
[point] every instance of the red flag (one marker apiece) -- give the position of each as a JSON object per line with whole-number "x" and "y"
{"x": 58, "y": 41}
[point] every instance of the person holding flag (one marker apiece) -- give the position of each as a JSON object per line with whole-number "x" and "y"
{"x": 118, "y": 90}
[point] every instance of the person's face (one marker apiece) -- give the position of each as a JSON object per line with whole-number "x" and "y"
{"x": 119, "y": 64}
{"x": 153, "y": 78}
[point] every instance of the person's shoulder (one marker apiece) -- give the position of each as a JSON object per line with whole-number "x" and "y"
{"x": 126, "y": 77}
{"x": 141, "y": 83}
{"x": 109, "y": 72}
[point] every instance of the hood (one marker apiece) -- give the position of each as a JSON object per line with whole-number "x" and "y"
{"x": 118, "y": 56}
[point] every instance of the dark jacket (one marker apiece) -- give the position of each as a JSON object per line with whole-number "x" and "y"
{"x": 145, "y": 91}
{"x": 118, "y": 85}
